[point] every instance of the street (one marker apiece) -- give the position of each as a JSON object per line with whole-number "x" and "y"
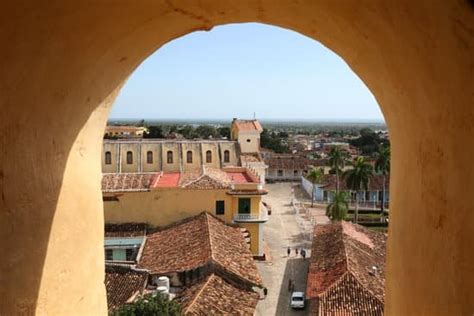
{"x": 282, "y": 230}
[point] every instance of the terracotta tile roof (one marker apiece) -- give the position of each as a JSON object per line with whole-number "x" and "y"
{"x": 340, "y": 277}
{"x": 248, "y": 125}
{"x": 289, "y": 163}
{"x": 126, "y": 230}
{"x": 240, "y": 177}
{"x": 127, "y": 182}
{"x": 123, "y": 284}
{"x": 216, "y": 296}
{"x": 198, "y": 241}
{"x": 166, "y": 180}
{"x": 210, "y": 178}
{"x": 375, "y": 183}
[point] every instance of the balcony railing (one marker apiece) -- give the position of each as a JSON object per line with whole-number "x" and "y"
{"x": 261, "y": 217}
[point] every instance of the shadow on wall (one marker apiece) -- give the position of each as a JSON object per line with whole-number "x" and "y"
{"x": 296, "y": 270}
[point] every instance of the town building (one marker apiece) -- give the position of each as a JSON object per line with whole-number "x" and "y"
{"x": 233, "y": 194}
{"x": 122, "y": 131}
{"x": 123, "y": 284}
{"x": 346, "y": 274}
{"x": 187, "y": 250}
{"x": 206, "y": 265}
{"x": 324, "y": 191}
{"x": 155, "y": 155}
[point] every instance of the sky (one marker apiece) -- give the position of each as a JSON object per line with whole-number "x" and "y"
{"x": 237, "y": 70}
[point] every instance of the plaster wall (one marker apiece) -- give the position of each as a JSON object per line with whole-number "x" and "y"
{"x": 165, "y": 206}
{"x": 125, "y": 166}
{"x": 249, "y": 142}
{"x": 113, "y": 149}
{"x": 156, "y": 164}
{"x": 215, "y": 158}
{"x": 175, "y": 165}
{"x": 195, "y": 149}
{"x": 233, "y": 159}
{"x": 64, "y": 62}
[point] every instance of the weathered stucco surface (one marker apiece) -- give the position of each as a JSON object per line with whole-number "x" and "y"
{"x": 63, "y": 62}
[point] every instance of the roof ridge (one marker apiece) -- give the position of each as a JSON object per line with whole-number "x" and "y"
{"x": 349, "y": 268}
{"x": 364, "y": 287}
{"x": 335, "y": 283}
{"x": 208, "y": 228}
{"x": 200, "y": 291}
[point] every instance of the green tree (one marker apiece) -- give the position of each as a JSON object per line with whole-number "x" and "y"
{"x": 149, "y": 305}
{"x": 337, "y": 161}
{"x": 382, "y": 166}
{"x": 224, "y": 132}
{"x": 154, "y": 132}
{"x": 188, "y": 131}
{"x": 357, "y": 179}
{"x": 206, "y": 131}
{"x": 315, "y": 176}
{"x": 337, "y": 209}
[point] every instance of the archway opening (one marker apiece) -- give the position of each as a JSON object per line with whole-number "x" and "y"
{"x": 388, "y": 45}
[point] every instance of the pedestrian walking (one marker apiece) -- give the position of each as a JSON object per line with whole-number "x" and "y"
{"x": 288, "y": 251}
{"x": 265, "y": 291}
{"x": 290, "y": 284}
{"x": 303, "y": 253}
{"x": 296, "y": 250}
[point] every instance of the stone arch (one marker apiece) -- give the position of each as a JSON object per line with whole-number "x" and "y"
{"x": 63, "y": 64}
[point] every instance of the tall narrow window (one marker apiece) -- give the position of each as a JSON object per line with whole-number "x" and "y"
{"x": 189, "y": 156}
{"x": 149, "y": 157}
{"x": 109, "y": 254}
{"x": 208, "y": 156}
{"x": 226, "y": 156}
{"x": 244, "y": 206}
{"x": 108, "y": 158}
{"x": 220, "y": 207}
{"x": 129, "y": 157}
{"x": 169, "y": 156}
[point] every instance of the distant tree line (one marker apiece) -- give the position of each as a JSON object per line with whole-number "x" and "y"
{"x": 278, "y": 142}
{"x": 369, "y": 142}
{"x": 187, "y": 131}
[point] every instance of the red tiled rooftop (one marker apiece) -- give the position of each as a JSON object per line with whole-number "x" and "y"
{"x": 167, "y": 180}
{"x": 248, "y": 125}
{"x": 340, "y": 277}
{"x": 123, "y": 284}
{"x": 240, "y": 177}
{"x": 127, "y": 182}
{"x": 216, "y": 296}
{"x": 196, "y": 242}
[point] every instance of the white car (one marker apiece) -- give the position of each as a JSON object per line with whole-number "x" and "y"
{"x": 297, "y": 300}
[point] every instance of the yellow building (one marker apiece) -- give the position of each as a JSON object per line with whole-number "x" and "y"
{"x": 233, "y": 194}
{"x": 124, "y": 131}
{"x": 155, "y": 155}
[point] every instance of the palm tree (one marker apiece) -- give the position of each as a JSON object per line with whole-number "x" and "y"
{"x": 358, "y": 179}
{"x": 337, "y": 160}
{"x": 337, "y": 209}
{"x": 382, "y": 165}
{"x": 314, "y": 176}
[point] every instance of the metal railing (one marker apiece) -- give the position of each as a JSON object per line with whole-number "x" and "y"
{"x": 262, "y": 216}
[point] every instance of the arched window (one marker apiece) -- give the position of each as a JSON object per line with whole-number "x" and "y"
{"x": 149, "y": 156}
{"x": 226, "y": 156}
{"x": 169, "y": 156}
{"x": 208, "y": 156}
{"x": 129, "y": 157}
{"x": 108, "y": 158}
{"x": 189, "y": 156}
